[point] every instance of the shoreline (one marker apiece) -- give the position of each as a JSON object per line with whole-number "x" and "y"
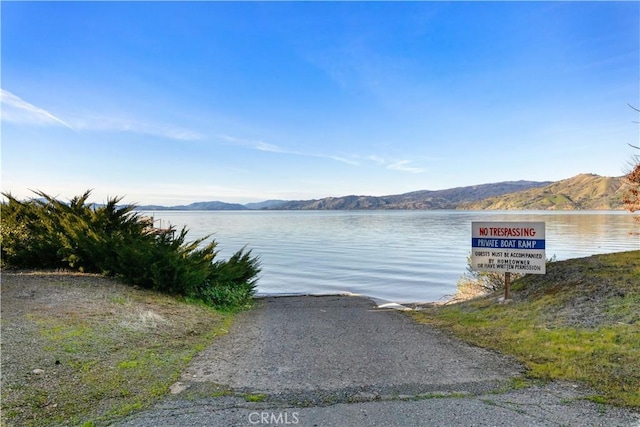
{"x": 379, "y": 302}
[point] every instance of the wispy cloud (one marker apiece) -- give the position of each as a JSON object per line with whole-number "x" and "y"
{"x": 265, "y": 146}
{"x": 403, "y": 165}
{"x": 377, "y": 159}
{"x": 17, "y": 110}
{"x": 398, "y": 165}
{"x": 255, "y": 144}
{"x": 117, "y": 123}
{"x": 336, "y": 158}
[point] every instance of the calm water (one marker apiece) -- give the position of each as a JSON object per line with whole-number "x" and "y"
{"x": 400, "y": 256}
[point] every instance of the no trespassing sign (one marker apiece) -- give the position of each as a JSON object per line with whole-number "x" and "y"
{"x": 515, "y": 247}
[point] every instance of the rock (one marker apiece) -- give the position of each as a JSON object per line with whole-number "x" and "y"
{"x": 177, "y": 388}
{"x": 38, "y": 371}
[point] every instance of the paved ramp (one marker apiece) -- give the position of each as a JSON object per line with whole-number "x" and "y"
{"x": 314, "y": 344}
{"x": 339, "y": 360}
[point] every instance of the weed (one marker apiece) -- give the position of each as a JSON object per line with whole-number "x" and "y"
{"x": 597, "y": 399}
{"x": 255, "y": 397}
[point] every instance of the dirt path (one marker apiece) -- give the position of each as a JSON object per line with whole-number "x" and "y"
{"x": 325, "y": 361}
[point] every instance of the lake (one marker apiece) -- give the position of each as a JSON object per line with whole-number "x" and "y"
{"x": 399, "y": 256}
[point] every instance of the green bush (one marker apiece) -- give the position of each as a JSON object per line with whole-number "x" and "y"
{"x": 231, "y": 283}
{"x": 116, "y": 241}
{"x": 27, "y": 238}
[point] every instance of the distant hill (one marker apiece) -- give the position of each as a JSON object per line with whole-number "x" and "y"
{"x": 264, "y": 205}
{"x": 426, "y": 199}
{"x": 198, "y": 206}
{"x": 581, "y": 192}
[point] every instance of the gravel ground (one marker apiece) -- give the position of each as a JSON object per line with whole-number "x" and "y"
{"x": 79, "y": 347}
{"x": 326, "y": 361}
{"x": 23, "y": 348}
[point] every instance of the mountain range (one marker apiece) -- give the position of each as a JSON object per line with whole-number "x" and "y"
{"x": 581, "y": 192}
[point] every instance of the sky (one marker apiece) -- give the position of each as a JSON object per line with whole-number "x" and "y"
{"x": 176, "y": 102}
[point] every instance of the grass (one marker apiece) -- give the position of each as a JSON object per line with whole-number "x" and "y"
{"x": 579, "y": 322}
{"x": 106, "y": 358}
{"x": 249, "y": 397}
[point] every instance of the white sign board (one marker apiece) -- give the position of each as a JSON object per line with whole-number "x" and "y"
{"x": 515, "y": 247}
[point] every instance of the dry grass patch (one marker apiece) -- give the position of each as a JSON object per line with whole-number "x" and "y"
{"x": 87, "y": 349}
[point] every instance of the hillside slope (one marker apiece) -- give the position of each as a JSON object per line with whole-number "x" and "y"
{"x": 581, "y": 192}
{"x": 578, "y": 322}
{"x": 425, "y": 199}
{"x": 197, "y": 206}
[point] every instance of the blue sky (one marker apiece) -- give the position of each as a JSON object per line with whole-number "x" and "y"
{"x": 172, "y": 103}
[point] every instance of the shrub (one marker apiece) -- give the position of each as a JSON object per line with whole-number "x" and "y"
{"x": 115, "y": 241}
{"x": 27, "y": 239}
{"x": 475, "y": 283}
{"x": 631, "y": 197}
{"x": 231, "y": 283}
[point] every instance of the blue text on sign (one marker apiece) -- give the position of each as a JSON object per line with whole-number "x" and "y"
{"x": 507, "y": 243}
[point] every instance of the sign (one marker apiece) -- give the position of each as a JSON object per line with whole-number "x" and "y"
{"x": 508, "y": 247}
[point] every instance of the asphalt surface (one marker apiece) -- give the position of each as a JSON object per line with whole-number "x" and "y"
{"x": 341, "y": 361}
